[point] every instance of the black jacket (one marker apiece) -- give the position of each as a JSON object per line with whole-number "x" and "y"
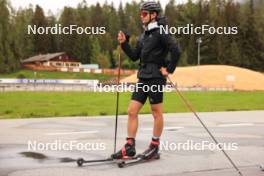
{"x": 152, "y": 49}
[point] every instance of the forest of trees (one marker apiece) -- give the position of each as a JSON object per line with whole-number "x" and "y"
{"x": 245, "y": 49}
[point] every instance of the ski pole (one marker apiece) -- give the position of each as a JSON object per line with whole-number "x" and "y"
{"x": 117, "y": 97}
{"x": 187, "y": 103}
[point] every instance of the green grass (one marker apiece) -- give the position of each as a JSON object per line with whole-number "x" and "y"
{"x": 50, "y": 104}
{"x": 56, "y": 75}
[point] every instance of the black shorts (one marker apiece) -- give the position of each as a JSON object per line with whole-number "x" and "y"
{"x": 149, "y": 88}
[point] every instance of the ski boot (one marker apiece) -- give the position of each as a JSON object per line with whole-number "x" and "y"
{"x": 152, "y": 152}
{"x": 128, "y": 151}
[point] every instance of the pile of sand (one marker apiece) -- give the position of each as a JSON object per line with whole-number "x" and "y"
{"x": 214, "y": 76}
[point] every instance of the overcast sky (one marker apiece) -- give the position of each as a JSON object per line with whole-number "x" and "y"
{"x": 55, "y": 5}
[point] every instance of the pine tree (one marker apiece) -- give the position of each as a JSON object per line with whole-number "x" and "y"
{"x": 40, "y": 41}
{"x": 67, "y": 41}
{"x": 9, "y": 61}
{"x": 103, "y": 60}
{"x": 22, "y": 19}
{"x": 122, "y": 17}
{"x": 82, "y": 44}
{"x": 251, "y": 40}
{"x": 52, "y": 38}
{"x": 96, "y": 50}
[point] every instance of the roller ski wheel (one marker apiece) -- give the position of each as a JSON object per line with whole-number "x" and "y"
{"x": 80, "y": 162}
{"x": 121, "y": 164}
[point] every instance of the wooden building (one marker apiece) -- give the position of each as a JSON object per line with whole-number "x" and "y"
{"x": 51, "y": 62}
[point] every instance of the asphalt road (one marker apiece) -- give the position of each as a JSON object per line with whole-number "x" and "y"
{"x": 92, "y": 138}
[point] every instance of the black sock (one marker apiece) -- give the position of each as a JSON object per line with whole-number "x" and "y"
{"x": 155, "y": 142}
{"x": 131, "y": 141}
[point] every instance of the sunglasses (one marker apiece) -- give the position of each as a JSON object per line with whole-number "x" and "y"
{"x": 144, "y": 13}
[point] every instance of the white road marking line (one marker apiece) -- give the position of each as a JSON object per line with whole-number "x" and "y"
{"x": 165, "y": 128}
{"x": 173, "y": 128}
{"x": 236, "y": 124}
{"x": 69, "y": 133}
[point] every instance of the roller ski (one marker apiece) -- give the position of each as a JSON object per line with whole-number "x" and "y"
{"x": 82, "y": 161}
{"x": 128, "y": 152}
{"x": 152, "y": 153}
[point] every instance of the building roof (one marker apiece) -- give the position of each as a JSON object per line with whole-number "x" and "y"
{"x": 42, "y": 57}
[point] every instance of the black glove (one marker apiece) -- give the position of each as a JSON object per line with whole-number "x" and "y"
{"x": 127, "y": 34}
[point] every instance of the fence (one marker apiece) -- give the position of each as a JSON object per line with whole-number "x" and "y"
{"x": 89, "y": 88}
